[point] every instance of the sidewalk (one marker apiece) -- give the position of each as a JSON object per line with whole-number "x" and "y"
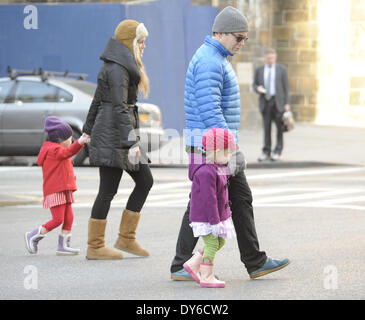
{"x": 308, "y": 145}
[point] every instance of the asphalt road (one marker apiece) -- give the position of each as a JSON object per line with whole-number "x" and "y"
{"x": 313, "y": 216}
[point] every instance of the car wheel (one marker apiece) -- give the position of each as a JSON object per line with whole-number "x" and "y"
{"x": 79, "y": 158}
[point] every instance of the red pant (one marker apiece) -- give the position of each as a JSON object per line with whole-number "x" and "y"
{"x": 61, "y": 214}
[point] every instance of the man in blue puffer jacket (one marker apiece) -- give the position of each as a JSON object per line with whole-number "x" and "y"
{"x": 212, "y": 100}
{"x": 212, "y": 94}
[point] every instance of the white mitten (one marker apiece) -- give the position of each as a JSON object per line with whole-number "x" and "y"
{"x": 237, "y": 163}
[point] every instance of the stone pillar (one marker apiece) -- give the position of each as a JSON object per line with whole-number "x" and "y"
{"x": 259, "y": 15}
{"x": 356, "y": 99}
{"x": 203, "y": 2}
{"x": 251, "y": 56}
{"x": 295, "y": 37}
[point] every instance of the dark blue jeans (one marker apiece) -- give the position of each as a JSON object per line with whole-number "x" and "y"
{"x": 242, "y": 215}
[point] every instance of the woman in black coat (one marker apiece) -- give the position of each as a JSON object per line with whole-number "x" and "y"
{"x": 114, "y": 146}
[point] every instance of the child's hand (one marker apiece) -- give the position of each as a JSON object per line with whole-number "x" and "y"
{"x": 85, "y": 138}
{"x": 261, "y": 89}
{"x": 134, "y": 152}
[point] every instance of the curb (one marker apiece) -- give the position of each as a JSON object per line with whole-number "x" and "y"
{"x": 270, "y": 165}
{"x": 16, "y": 203}
{"x": 251, "y": 165}
{"x": 294, "y": 164}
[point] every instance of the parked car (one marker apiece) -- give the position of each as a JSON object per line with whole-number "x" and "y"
{"x": 27, "y": 98}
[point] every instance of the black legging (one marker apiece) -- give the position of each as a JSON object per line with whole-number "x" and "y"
{"x": 109, "y": 183}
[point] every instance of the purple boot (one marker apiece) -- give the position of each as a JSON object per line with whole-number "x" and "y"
{"x": 32, "y": 238}
{"x": 64, "y": 246}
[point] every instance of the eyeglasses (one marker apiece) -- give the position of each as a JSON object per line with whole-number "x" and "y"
{"x": 239, "y": 38}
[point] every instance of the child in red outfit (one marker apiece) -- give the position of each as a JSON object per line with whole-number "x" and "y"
{"x": 58, "y": 184}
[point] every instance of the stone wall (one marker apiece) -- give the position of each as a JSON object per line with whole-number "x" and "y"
{"x": 295, "y": 37}
{"x": 357, "y": 53}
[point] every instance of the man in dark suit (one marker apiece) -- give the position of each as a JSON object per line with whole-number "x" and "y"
{"x": 271, "y": 83}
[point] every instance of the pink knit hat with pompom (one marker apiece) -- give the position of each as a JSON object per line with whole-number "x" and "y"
{"x": 218, "y": 138}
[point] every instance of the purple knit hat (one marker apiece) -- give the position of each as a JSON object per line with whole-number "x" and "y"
{"x": 57, "y": 129}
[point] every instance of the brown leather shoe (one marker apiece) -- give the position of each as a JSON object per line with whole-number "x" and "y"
{"x": 127, "y": 234}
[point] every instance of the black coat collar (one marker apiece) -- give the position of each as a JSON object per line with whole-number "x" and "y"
{"x": 117, "y": 52}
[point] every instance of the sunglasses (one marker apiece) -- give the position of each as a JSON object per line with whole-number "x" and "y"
{"x": 239, "y": 38}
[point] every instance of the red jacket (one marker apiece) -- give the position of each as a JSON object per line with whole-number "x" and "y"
{"x": 58, "y": 172}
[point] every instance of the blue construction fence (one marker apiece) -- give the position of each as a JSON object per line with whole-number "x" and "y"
{"x": 61, "y": 37}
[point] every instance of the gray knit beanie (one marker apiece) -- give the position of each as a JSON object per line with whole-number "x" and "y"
{"x": 230, "y": 20}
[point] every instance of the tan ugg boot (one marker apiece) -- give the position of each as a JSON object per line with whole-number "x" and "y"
{"x": 96, "y": 249}
{"x": 127, "y": 234}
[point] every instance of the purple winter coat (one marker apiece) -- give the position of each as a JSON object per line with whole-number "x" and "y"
{"x": 209, "y": 191}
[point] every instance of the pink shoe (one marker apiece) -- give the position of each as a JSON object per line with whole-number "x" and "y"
{"x": 193, "y": 265}
{"x": 208, "y": 280}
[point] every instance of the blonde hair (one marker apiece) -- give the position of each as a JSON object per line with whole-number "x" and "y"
{"x": 210, "y": 154}
{"x": 129, "y": 32}
{"x": 144, "y": 83}
{"x": 213, "y": 154}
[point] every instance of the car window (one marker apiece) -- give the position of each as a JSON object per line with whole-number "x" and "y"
{"x": 64, "y": 96}
{"x": 85, "y": 86}
{"x": 29, "y": 91}
{"x": 5, "y": 87}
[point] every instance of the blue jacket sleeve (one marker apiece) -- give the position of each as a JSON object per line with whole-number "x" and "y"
{"x": 208, "y": 94}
